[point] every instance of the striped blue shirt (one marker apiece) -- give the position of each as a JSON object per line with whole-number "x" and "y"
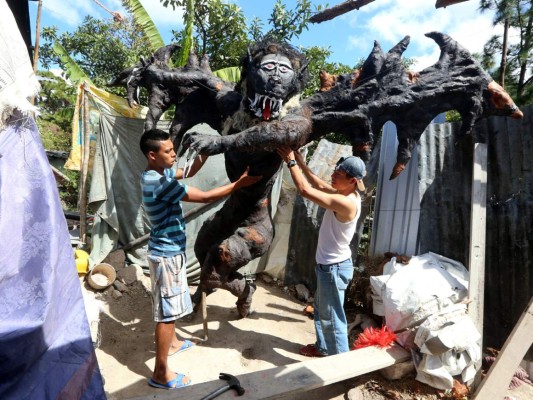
{"x": 161, "y": 201}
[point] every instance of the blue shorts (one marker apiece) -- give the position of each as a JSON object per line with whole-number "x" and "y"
{"x": 170, "y": 292}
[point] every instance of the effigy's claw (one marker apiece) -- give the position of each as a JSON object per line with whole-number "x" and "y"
{"x": 190, "y": 161}
{"x": 193, "y": 154}
{"x": 181, "y": 153}
{"x": 180, "y": 150}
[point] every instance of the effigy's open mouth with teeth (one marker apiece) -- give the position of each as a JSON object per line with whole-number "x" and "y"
{"x": 265, "y": 107}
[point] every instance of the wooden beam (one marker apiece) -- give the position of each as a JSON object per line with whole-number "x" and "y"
{"x": 59, "y": 174}
{"x": 339, "y": 9}
{"x": 187, "y": 217}
{"x": 294, "y": 378}
{"x": 446, "y": 3}
{"x": 496, "y": 383}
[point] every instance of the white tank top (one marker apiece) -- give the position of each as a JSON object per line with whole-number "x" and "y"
{"x": 334, "y": 237}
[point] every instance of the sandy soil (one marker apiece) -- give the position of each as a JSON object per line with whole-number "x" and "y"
{"x": 269, "y": 337}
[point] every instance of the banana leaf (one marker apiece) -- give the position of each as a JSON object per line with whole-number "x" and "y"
{"x": 230, "y": 74}
{"x": 186, "y": 43}
{"x": 72, "y": 69}
{"x": 141, "y": 17}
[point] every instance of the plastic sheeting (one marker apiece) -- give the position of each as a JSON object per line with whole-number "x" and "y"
{"x": 46, "y": 350}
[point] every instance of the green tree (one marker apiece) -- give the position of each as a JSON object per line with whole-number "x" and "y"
{"x": 101, "y": 48}
{"x": 56, "y": 100}
{"x": 286, "y": 23}
{"x": 143, "y": 20}
{"x": 514, "y": 71}
{"x": 56, "y": 104}
{"x": 216, "y": 20}
{"x": 317, "y": 57}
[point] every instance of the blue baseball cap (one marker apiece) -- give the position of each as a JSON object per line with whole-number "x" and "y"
{"x": 354, "y": 167}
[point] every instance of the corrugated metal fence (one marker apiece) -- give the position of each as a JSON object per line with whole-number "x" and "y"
{"x": 445, "y": 173}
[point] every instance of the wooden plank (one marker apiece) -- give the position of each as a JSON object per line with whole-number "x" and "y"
{"x": 495, "y": 384}
{"x": 478, "y": 216}
{"x": 294, "y": 378}
{"x": 476, "y": 261}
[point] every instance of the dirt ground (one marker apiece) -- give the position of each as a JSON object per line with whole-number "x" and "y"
{"x": 269, "y": 337}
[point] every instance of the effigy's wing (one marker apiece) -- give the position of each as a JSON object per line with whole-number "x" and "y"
{"x": 385, "y": 91}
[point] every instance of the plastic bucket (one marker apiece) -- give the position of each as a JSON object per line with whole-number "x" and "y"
{"x": 101, "y": 276}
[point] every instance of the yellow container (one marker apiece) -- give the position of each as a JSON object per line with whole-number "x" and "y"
{"x": 82, "y": 261}
{"x": 78, "y": 253}
{"x": 82, "y": 264}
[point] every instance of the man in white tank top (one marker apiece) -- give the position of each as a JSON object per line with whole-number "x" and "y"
{"x": 334, "y": 268}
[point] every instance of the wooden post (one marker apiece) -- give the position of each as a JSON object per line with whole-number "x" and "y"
{"x": 84, "y": 169}
{"x": 36, "y": 48}
{"x": 37, "y": 35}
{"x": 476, "y": 261}
{"x": 204, "y": 314}
{"x": 501, "y": 372}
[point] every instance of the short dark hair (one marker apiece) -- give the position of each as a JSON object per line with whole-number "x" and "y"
{"x": 150, "y": 140}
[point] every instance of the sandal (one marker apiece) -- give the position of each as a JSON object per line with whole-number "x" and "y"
{"x": 186, "y": 345}
{"x": 176, "y": 383}
{"x": 311, "y": 351}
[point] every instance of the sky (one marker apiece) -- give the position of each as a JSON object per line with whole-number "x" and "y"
{"x": 349, "y": 37}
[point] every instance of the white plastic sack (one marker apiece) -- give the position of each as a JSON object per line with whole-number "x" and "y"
{"x": 428, "y": 284}
{"x": 425, "y": 295}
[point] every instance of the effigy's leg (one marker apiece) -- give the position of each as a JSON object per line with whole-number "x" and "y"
{"x": 222, "y": 248}
{"x": 220, "y": 268}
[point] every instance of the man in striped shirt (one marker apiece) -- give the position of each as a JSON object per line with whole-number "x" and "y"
{"x": 162, "y": 195}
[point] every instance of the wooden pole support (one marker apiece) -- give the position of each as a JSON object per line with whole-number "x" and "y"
{"x": 84, "y": 169}
{"x": 496, "y": 383}
{"x": 478, "y": 222}
{"x": 204, "y": 313}
{"x": 476, "y": 261}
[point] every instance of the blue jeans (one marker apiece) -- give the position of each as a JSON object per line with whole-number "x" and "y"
{"x": 330, "y": 320}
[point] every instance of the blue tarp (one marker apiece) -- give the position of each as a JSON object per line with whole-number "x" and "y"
{"x": 46, "y": 350}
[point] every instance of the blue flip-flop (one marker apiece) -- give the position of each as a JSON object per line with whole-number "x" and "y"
{"x": 175, "y": 383}
{"x": 186, "y": 345}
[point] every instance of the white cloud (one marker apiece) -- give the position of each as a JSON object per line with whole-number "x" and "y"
{"x": 390, "y": 20}
{"x": 69, "y": 12}
{"x": 164, "y": 17}
{"x": 426, "y": 60}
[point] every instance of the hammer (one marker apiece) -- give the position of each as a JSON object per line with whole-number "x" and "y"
{"x": 233, "y": 383}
